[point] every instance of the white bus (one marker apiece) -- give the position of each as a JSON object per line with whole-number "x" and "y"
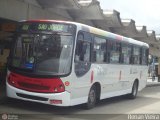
{"x": 67, "y": 63}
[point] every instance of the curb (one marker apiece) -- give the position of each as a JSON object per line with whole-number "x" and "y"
{"x": 149, "y": 84}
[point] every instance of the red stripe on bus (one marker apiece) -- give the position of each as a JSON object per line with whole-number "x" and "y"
{"x": 92, "y": 76}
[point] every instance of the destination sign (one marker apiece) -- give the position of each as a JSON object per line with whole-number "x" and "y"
{"x": 48, "y": 27}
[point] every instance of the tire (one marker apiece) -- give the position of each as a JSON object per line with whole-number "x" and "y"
{"x": 92, "y": 98}
{"x": 133, "y": 94}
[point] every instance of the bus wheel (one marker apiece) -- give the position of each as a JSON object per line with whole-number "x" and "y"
{"x": 133, "y": 94}
{"x": 91, "y": 98}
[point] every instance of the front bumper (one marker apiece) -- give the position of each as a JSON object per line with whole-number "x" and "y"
{"x": 45, "y": 98}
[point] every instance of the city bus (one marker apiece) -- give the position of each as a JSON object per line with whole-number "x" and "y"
{"x": 65, "y": 63}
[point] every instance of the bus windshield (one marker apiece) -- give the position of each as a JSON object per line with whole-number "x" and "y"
{"x": 43, "y": 54}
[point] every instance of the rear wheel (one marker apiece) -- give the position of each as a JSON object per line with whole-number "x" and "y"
{"x": 92, "y": 96}
{"x": 133, "y": 94}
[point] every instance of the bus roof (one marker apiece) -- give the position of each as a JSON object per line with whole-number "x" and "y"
{"x": 96, "y": 31}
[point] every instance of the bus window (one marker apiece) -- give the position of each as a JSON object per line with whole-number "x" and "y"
{"x": 126, "y": 54}
{"x": 144, "y": 56}
{"x": 99, "y": 50}
{"x": 83, "y": 51}
{"x": 43, "y": 54}
{"x": 82, "y": 54}
{"x": 136, "y": 55}
{"x": 114, "y": 51}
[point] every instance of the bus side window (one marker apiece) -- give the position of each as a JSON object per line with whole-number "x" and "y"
{"x": 83, "y": 51}
{"x": 147, "y": 55}
{"x": 82, "y": 54}
{"x": 144, "y": 59}
{"x": 99, "y": 50}
{"x": 126, "y": 54}
{"x": 136, "y": 55}
{"x": 115, "y": 52}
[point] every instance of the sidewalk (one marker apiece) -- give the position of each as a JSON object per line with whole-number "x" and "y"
{"x": 151, "y": 83}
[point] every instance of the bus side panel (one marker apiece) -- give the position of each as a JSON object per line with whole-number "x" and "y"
{"x": 143, "y": 77}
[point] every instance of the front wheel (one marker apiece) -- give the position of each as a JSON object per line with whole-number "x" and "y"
{"x": 133, "y": 94}
{"x": 91, "y": 98}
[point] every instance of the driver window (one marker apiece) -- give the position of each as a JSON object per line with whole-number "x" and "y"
{"x": 82, "y": 49}
{"x": 83, "y": 54}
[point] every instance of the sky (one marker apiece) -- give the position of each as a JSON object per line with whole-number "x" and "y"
{"x": 144, "y": 12}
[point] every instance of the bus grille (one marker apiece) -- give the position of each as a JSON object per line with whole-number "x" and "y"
{"x": 33, "y": 86}
{"x": 40, "y": 85}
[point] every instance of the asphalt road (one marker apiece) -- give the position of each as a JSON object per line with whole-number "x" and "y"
{"x": 146, "y": 103}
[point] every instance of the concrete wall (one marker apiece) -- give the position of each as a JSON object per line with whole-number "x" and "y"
{"x": 21, "y": 10}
